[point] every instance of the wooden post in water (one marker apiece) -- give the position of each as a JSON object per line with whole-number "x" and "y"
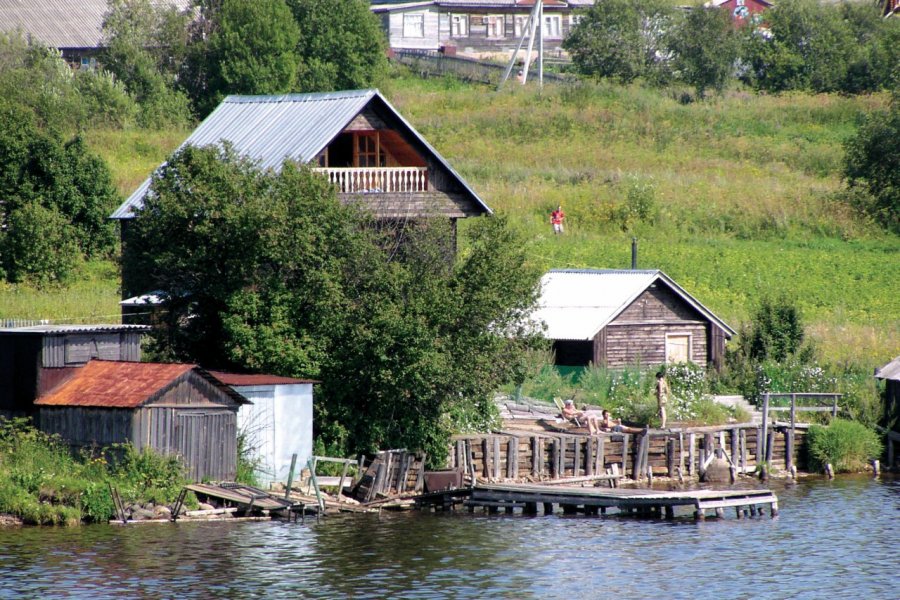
{"x": 290, "y": 481}
{"x": 761, "y": 443}
{"x": 789, "y": 450}
{"x": 770, "y": 442}
{"x": 876, "y": 467}
{"x": 829, "y": 471}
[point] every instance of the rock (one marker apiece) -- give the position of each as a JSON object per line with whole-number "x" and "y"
{"x": 9, "y": 520}
{"x": 162, "y": 512}
{"x": 141, "y": 514}
{"x": 718, "y": 471}
{"x": 205, "y": 506}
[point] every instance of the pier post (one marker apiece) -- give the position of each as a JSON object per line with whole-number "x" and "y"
{"x": 670, "y": 456}
{"x": 829, "y": 471}
{"x": 589, "y": 456}
{"x": 512, "y": 458}
{"x": 670, "y": 513}
{"x": 789, "y": 450}
{"x": 735, "y": 456}
{"x": 720, "y": 513}
{"x": 496, "y": 457}
{"x": 486, "y": 458}
{"x": 625, "y": 438}
{"x": 576, "y": 467}
{"x": 548, "y": 508}
{"x": 876, "y": 467}
{"x": 743, "y": 450}
{"x": 530, "y": 508}
{"x": 554, "y": 458}
{"x": 601, "y": 458}
{"x": 692, "y": 442}
{"x": 700, "y": 514}
{"x": 774, "y": 509}
{"x": 770, "y": 442}
{"x": 537, "y": 460}
{"x": 680, "y": 454}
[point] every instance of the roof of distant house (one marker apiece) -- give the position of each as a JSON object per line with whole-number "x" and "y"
{"x": 62, "y": 23}
{"x": 575, "y": 304}
{"x": 889, "y": 371}
{"x": 272, "y": 129}
{"x": 63, "y": 329}
{"x": 251, "y": 379}
{"x": 119, "y": 384}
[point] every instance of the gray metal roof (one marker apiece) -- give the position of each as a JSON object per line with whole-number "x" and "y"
{"x": 889, "y": 371}
{"x": 575, "y": 304}
{"x": 53, "y": 329}
{"x": 61, "y": 23}
{"x": 272, "y": 129}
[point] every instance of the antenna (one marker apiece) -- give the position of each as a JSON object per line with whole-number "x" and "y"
{"x": 533, "y": 25}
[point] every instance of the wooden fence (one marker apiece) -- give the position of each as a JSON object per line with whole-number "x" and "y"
{"x": 521, "y": 456}
{"x": 429, "y": 63}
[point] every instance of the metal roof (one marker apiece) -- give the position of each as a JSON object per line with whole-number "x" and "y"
{"x": 62, "y": 23}
{"x": 53, "y": 329}
{"x": 272, "y": 129}
{"x": 575, "y": 304}
{"x": 889, "y": 371}
{"x": 237, "y": 380}
{"x": 121, "y": 384}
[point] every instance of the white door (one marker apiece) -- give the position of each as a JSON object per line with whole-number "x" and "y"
{"x": 678, "y": 348}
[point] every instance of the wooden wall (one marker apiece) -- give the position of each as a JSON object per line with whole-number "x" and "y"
{"x": 87, "y": 426}
{"x": 553, "y": 456}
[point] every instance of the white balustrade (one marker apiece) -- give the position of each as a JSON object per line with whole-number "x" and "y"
{"x": 377, "y": 180}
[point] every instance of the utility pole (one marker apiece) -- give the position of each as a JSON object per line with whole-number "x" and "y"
{"x": 533, "y": 26}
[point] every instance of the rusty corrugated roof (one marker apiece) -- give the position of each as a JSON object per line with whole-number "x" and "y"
{"x": 248, "y": 379}
{"x": 114, "y": 384}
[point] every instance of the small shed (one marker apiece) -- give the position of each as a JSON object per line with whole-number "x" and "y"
{"x": 172, "y": 408}
{"x": 620, "y": 318}
{"x": 35, "y": 359}
{"x": 278, "y": 423}
{"x": 890, "y": 373}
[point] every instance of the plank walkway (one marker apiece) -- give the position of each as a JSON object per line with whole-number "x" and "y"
{"x": 593, "y": 500}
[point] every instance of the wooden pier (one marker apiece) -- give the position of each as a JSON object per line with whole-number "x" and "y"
{"x": 592, "y": 500}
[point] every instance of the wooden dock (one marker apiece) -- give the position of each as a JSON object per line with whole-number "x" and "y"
{"x": 593, "y": 500}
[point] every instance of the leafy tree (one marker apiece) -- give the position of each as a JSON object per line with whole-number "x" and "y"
{"x": 342, "y": 45}
{"x": 876, "y": 48}
{"x": 277, "y": 275}
{"x": 620, "y": 39}
{"x": 38, "y": 245}
{"x": 145, "y": 48}
{"x": 252, "y": 49}
{"x": 808, "y": 46}
{"x": 777, "y": 330}
{"x": 705, "y": 49}
{"x": 872, "y": 166}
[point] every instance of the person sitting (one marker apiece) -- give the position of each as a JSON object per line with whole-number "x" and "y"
{"x": 607, "y": 423}
{"x": 591, "y": 418}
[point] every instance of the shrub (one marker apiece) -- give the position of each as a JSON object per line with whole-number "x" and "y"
{"x": 149, "y": 475}
{"x": 847, "y": 445}
{"x": 689, "y": 388}
{"x": 38, "y": 246}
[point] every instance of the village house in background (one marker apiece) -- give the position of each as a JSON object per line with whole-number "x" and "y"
{"x": 890, "y": 373}
{"x": 742, "y": 11}
{"x": 276, "y": 424}
{"x": 619, "y": 318}
{"x": 74, "y": 27}
{"x": 473, "y": 26}
{"x": 356, "y": 139}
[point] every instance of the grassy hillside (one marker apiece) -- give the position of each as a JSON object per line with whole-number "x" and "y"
{"x": 734, "y": 197}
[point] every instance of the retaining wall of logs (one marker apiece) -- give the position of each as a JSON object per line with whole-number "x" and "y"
{"x": 548, "y": 455}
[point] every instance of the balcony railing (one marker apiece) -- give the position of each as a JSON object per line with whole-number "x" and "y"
{"x": 378, "y": 180}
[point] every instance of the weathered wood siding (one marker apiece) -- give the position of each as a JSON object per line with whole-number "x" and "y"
{"x": 87, "y": 426}
{"x": 76, "y": 349}
{"x": 393, "y": 22}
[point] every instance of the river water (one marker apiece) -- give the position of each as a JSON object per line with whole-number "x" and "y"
{"x": 832, "y": 539}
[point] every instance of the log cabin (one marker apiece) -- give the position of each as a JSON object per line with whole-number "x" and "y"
{"x": 622, "y": 318}
{"x": 356, "y": 139}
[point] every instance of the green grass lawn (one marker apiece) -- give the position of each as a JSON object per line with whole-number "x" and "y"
{"x": 734, "y": 198}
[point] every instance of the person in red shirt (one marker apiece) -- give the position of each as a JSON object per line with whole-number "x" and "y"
{"x": 556, "y": 219}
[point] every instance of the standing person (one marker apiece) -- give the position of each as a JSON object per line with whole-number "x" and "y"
{"x": 556, "y": 219}
{"x": 662, "y": 396}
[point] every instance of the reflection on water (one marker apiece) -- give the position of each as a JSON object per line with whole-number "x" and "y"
{"x": 831, "y": 539}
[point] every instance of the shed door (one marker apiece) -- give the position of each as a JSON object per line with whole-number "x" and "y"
{"x": 678, "y": 348}
{"x": 207, "y": 441}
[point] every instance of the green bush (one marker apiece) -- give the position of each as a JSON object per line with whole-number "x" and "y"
{"x": 148, "y": 475}
{"x": 846, "y": 445}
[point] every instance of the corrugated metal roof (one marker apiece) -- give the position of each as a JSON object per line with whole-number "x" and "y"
{"x": 61, "y": 23}
{"x": 272, "y": 129}
{"x": 249, "y": 379}
{"x": 49, "y": 329}
{"x": 575, "y": 304}
{"x": 889, "y": 371}
{"x": 122, "y": 384}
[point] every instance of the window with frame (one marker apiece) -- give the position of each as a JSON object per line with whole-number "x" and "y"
{"x": 678, "y": 348}
{"x": 414, "y": 25}
{"x": 496, "y": 27}
{"x": 459, "y": 25}
{"x": 552, "y": 26}
{"x": 367, "y": 150}
{"x": 520, "y": 24}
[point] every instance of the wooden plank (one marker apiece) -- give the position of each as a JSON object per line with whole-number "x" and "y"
{"x": 692, "y": 442}
{"x": 576, "y": 468}
{"x": 601, "y": 455}
{"x": 670, "y": 456}
{"x": 512, "y": 458}
{"x": 537, "y": 446}
{"x": 496, "y": 457}
{"x": 789, "y": 450}
{"x": 625, "y": 438}
{"x": 743, "y": 442}
{"x": 486, "y": 460}
{"x": 589, "y": 456}
{"x": 726, "y": 503}
{"x": 554, "y": 458}
{"x": 735, "y": 458}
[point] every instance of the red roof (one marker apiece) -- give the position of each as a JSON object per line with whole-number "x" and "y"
{"x": 114, "y": 384}
{"x": 247, "y": 379}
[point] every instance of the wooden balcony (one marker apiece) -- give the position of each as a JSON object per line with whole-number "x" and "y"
{"x": 377, "y": 180}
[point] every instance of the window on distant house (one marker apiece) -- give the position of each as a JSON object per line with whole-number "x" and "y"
{"x": 414, "y": 25}
{"x": 495, "y": 26}
{"x": 521, "y": 24}
{"x": 552, "y": 26}
{"x": 459, "y": 25}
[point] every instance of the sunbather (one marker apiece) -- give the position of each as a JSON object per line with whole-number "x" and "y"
{"x": 591, "y": 418}
{"x": 607, "y": 423}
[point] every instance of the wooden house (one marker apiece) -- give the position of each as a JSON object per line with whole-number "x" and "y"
{"x": 620, "y": 318}
{"x": 172, "y": 408}
{"x": 473, "y": 26}
{"x": 33, "y": 360}
{"x": 890, "y": 373}
{"x": 74, "y": 27}
{"x": 278, "y": 422}
{"x": 356, "y": 139}
{"x": 742, "y": 11}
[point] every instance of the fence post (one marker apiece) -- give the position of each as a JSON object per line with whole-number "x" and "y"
{"x": 793, "y": 412}
{"x": 761, "y": 444}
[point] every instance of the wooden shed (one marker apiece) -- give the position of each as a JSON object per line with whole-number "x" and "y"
{"x": 172, "y": 408}
{"x": 890, "y": 373}
{"x": 35, "y": 359}
{"x": 620, "y": 318}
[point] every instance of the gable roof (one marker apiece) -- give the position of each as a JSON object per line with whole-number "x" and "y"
{"x": 120, "y": 384}
{"x": 575, "y": 304}
{"x": 889, "y": 371}
{"x": 49, "y": 329}
{"x": 62, "y": 23}
{"x": 272, "y": 129}
{"x": 252, "y": 379}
